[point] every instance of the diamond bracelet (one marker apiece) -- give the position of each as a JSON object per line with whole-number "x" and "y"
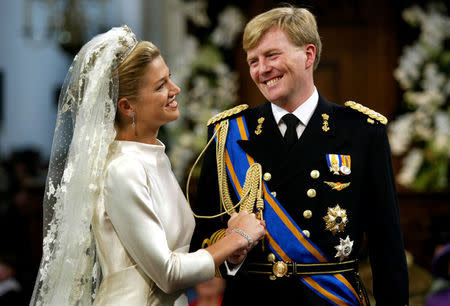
{"x": 245, "y": 235}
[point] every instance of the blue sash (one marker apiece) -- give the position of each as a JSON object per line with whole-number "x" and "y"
{"x": 284, "y": 236}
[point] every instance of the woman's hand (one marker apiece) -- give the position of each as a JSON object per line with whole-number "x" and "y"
{"x": 249, "y": 224}
{"x": 248, "y": 230}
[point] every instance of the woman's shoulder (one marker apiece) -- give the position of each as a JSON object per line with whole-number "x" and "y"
{"x": 123, "y": 164}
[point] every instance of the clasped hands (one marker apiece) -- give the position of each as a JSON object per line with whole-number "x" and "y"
{"x": 250, "y": 225}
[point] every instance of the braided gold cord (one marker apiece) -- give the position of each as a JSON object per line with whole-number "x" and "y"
{"x": 252, "y": 191}
{"x": 189, "y": 181}
{"x": 224, "y": 192}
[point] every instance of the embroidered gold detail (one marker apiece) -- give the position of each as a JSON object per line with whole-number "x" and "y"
{"x": 370, "y": 121}
{"x": 214, "y": 238}
{"x": 225, "y": 114}
{"x": 210, "y": 241}
{"x": 259, "y": 127}
{"x": 367, "y": 111}
{"x": 325, "y": 126}
{"x": 336, "y": 219}
{"x": 337, "y": 186}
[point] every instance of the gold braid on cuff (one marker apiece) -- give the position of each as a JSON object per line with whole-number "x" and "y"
{"x": 213, "y": 239}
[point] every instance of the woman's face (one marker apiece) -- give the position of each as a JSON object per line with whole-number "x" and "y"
{"x": 156, "y": 103}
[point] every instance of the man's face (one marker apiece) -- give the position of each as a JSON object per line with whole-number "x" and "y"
{"x": 279, "y": 68}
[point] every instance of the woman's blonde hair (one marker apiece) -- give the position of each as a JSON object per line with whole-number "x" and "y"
{"x": 131, "y": 71}
{"x": 298, "y": 23}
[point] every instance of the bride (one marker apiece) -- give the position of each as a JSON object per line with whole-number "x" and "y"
{"x": 118, "y": 227}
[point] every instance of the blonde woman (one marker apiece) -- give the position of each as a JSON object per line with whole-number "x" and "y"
{"x": 118, "y": 226}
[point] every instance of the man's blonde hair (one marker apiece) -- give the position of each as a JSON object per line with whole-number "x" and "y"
{"x": 298, "y": 23}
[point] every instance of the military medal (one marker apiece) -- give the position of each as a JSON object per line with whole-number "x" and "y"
{"x": 333, "y": 163}
{"x": 344, "y": 248}
{"x": 345, "y": 168}
{"x": 339, "y": 164}
{"x": 336, "y": 219}
{"x": 337, "y": 186}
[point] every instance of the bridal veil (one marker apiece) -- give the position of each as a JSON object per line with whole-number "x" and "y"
{"x": 69, "y": 273}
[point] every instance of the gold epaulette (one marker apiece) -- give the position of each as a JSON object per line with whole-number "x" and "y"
{"x": 225, "y": 114}
{"x": 367, "y": 111}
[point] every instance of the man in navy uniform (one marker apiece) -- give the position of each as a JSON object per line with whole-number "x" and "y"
{"x": 326, "y": 178}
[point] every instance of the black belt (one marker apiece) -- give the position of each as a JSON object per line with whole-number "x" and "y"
{"x": 281, "y": 269}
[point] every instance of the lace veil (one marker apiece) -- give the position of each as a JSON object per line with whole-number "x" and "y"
{"x": 69, "y": 273}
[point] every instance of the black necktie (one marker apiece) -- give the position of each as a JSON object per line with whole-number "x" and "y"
{"x": 291, "y": 122}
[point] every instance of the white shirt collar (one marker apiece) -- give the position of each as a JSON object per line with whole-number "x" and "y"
{"x": 303, "y": 112}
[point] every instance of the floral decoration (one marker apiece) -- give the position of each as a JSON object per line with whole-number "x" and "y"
{"x": 421, "y": 135}
{"x": 208, "y": 84}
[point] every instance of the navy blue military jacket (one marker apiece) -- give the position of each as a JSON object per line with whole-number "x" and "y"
{"x": 297, "y": 177}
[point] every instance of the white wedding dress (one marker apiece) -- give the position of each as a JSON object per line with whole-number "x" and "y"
{"x": 143, "y": 227}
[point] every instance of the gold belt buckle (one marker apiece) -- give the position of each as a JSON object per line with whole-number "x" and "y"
{"x": 280, "y": 269}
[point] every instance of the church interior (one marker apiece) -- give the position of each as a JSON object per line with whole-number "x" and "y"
{"x": 373, "y": 53}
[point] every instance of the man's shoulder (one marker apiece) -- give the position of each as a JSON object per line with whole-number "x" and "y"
{"x": 242, "y": 110}
{"x": 353, "y": 113}
{"x": 228, "y": 114}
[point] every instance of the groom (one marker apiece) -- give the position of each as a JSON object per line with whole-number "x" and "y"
{"x": 328, "y": 181}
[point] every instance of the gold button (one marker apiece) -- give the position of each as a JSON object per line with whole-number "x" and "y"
{"x": 271, "y": 257}
{"x": 306, "y": 233}
{"x": 311, "y": 193}
{"x": 315, "y": 174}
{"x": 274, "y": 193}
{"x": 307, "y": 214}
{"x": 267, "y": 176}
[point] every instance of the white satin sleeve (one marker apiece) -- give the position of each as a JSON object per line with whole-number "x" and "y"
{"x": 132, "y": 212}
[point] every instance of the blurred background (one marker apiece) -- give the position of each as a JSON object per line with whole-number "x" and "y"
{"x": 391, "y": 56}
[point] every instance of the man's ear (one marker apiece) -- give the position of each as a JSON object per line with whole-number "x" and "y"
{"x": 124, "y": 107}
{"x": 310, "y": 51}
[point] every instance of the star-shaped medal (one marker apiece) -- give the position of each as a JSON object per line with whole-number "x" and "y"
{"x": 344, "y": 248}
{"x": 336, "y": 219}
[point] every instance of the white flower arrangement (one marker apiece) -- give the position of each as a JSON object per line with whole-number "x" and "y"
{"x": 422, "y": 135}
{"x": 208, "y": 84}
